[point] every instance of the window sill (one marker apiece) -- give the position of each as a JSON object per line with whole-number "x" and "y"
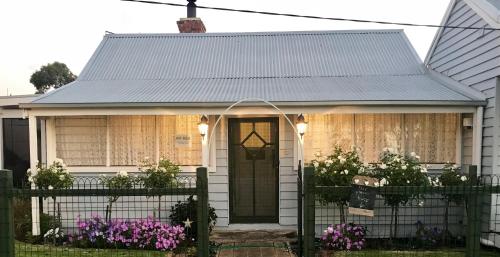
{"x": 114, "y": 169}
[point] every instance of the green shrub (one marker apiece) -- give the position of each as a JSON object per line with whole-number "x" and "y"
{"x": 23, "y": 224}
{"x": 187, "y": 209}
{"x": 22, "y": 218}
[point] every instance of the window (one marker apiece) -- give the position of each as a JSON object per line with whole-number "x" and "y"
{"x": 179, "y": 138}
{"x": 132, "y": 138}
{"x": 374, "y": 132}
{"x": 81, "y": 141}
{"x": 326, "y": 131}
{"x": 432, "y": 136}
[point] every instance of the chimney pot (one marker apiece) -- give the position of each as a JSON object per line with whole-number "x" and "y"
{"x": 191, "y": 24}
{"x": 191, "y": 9}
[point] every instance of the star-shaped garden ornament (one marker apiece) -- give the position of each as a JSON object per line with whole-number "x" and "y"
{"x": 187, "y": 223}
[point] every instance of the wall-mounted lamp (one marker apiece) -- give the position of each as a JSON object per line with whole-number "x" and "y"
{"x": 301, "y": 125}
{"x": 203, "y": 126}
{"x": 467, "y": 123}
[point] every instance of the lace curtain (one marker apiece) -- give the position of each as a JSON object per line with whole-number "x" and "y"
{"x": 81, "y": 141}
{"x": 326, "y": 131}
{"x": 432, "y": 136}
{"x": 179, "y": 139}
{"x": 132, "y": 138}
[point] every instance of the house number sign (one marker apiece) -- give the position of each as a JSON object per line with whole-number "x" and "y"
{"x": 363, "y": 193}
{"x": 182, "y": 141}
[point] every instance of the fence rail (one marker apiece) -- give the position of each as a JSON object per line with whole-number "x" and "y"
{"x": 90, "y": 219}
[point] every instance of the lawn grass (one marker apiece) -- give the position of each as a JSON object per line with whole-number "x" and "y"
{"x": 367, "y": 253}
{"x": 434, "y": 253}
{"x": 29, "y": 250}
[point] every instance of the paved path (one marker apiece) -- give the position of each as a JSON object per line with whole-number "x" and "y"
{"x": 253, "y": 251}
{"x": 254, "y": 243}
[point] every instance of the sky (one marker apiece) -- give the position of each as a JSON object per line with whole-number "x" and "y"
{"x": 34, "y": 32}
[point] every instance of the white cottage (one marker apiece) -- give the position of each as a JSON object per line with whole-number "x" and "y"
{"x": 145, "y": 94}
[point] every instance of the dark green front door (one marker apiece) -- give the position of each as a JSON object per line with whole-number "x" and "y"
{"x": 253, "y": 170}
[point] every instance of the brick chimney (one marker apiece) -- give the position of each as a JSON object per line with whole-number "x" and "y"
{"x": 191, "y": 24}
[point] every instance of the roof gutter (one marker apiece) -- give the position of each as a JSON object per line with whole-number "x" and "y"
{"x": 277, "y": 103}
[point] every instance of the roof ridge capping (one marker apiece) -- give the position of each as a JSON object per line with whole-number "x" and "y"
{"x": 255, "y": 33}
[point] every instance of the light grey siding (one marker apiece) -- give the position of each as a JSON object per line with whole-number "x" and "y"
{"x": 218, "y": 182}
{"x": 288, "y": 175}
{"x": 467, "y": 136}
{"x": 472, "y": 57}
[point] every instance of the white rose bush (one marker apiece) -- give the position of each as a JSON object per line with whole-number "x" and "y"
{"x": 120, "y": 181}
{"x": 451, "y": 177}
{"x": 52, "y": 177}
{"x": 396, "y": 169}
{"x": 337, "y": 169}
{"x": 158, "y": 175}
{"x": 55, "y": 176}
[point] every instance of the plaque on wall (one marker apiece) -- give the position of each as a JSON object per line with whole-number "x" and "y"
{"x": 182, "y": 141}
{"x": 363, "y": 193}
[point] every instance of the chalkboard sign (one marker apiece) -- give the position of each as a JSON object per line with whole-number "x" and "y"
{"x": 363, "y": 192}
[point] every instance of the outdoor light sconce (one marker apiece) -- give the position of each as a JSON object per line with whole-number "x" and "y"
{"x": 467, "y": 123}
{"x": 301, "y": 125}
{"x": 203, "y": 126}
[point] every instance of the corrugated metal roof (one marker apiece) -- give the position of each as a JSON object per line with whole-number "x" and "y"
{"x": 16, "y": 99}
{"x": 378, "y": 65}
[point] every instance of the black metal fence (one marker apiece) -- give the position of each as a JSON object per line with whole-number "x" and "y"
{"x": 91, "y": 219}
{"x": 442, "y": 221}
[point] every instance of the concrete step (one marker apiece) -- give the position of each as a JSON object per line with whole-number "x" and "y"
{"x": 253, "y": 236}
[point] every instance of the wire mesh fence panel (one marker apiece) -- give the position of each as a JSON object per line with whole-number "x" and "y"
{"x": 407, "y": 221}
{"x": 94, "y": 218}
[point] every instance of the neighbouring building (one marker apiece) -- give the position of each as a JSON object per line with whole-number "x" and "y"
{"x": 472, "y": 58}
{"x": 14, "y": 139}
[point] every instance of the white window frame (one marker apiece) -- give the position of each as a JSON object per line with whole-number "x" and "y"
{"x": 107, "y": 168}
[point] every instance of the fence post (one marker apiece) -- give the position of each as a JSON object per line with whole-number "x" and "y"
{"x": 309, "y": 212}
{"x": 300, "y": 237}
{"x": 202, "y": 211}
{"x": 473, "y": 214}
{"x": 6, "y": 214}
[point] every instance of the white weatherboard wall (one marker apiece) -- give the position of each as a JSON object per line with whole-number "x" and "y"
{"x": 288, "y": 174}
{"x": 218, "y": 187}
{"x": 472, "y": 57}
{"x": 218, "y": 182}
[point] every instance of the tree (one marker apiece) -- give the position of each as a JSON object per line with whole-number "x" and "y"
{"x": 54, "y": 74}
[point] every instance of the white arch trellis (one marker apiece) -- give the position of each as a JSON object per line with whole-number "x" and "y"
{"x": 300, "y": 151}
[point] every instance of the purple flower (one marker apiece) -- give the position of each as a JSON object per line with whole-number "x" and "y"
{"x": 139, "y": 234}
{"x": 343, "y": 237}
